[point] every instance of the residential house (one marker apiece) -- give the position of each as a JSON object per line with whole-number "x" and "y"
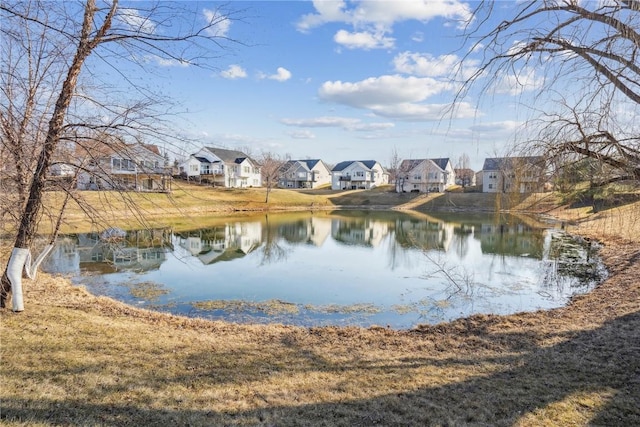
{"x": 304, "y": 174}
{"x": 513, "y": 174}
{"x": 62, "y": 169}
{"x": 221, "y": 167}
{"x": 425, "y": 175}
{"x": 120, "y": 166}
{"x": 465, "y": 177}
{"x": 358, "y": 174}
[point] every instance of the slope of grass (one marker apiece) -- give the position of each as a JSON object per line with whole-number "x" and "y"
{"x": 75, "y": 359}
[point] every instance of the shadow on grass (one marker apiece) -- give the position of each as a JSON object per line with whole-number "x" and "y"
{"x": 604, "y": 360}
{"x": 603, "y": 203}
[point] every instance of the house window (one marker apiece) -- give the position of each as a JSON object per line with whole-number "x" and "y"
{"x": 122, "y": 164}
{"x": 360, "y": 173}
{"x": 256, "y": 170}
{"x": 417, "y": 177}
{"x": 490, "y": 186}
{"x": 246, "y": 169}
{"x": 493, "y": 175}
{"x": 193, "y": 168}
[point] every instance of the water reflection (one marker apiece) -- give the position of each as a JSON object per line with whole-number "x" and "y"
{"x": 406, "y": 268}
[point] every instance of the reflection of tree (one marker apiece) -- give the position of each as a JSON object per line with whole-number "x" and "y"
{"x": 511, "y": 239}
{"x": 272, "y": 251}
{"x": 461, "y": 236}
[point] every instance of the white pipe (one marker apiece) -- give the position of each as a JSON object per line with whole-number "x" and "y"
{"x": 18, "y": 260}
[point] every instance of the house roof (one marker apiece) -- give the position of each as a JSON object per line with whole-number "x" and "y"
{"x": 229, "y": 156}
{"x": 409, "y": 164}
{"x": 114, "y": 146}
{"x": 286, "y": 166}
{"x": 201, "y": 159}
{"x": 343, "y": 165}
{"x": 152, "y": 147}
{"x": 310, "y": 163}
{"x": 504, "y": 163}
{"x": 307, "y": 164}
{"x": 441, "y": 162}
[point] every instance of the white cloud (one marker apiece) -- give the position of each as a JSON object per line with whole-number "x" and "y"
{"x": 234, "y": 72}
{"x": 136, "y": 22}
{"x": 493, "y": 127}
{"x": 523, "y": 80}
{"x": 167, "y": 62}
{"x": 328, "y": 11}
{"x": 425, "y": 64}
{"x": 281, "y": 75}
{"x": 346, "y": 123}
{"x": 382, "y": 13}
{"x": 363, "y": 40}
{"x": 301, "y": 134}
{"x": 383, "y": 90}
{"x": 425, "y": 112}
{"x": 219, "y": 24}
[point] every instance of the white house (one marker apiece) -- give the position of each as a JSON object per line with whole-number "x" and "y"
{"x": 225, "y": 168}
{"x": 513, "y": 174}
{"x": 358, "y": 174}
{"x": 304, "y": 174}
{"x": 425, "y": 175}
{"x": 120, "y": 166}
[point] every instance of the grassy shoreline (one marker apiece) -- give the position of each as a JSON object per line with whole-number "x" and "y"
{"x": 75, "y": 359}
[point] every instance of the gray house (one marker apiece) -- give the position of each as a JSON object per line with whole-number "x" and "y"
{"x": 513, "y": 174}
{"x": 304, "y": 174}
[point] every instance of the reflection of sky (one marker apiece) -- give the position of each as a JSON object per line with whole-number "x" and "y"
{"x": 385, "y": 274}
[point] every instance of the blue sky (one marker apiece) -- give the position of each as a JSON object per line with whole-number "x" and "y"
{"x": 345, "y": 80}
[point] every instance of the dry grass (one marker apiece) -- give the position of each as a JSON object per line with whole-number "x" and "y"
{"x": 75, "y": 359}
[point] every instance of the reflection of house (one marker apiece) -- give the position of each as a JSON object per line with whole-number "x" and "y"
{"x": 223, "y": 243}
{"x": 64, "y": 258}
{"x": 141, "y": 250}
{"x": 304, "y": 174}
{"x": 359, "y": 231}
{"x": 513, "y": 174}
{"x": 120, "y": 166}
{"x": 311, "y": 230}
{"x": 425, "y": 175}
{"x": 225, "y": 168}
{"x": 358, "y": 174}
{"x": 424, "y": 234}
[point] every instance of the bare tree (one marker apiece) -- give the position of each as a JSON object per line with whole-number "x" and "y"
{"x": 582, "y": 60}
{"x": 394, "y": 165}
{"x": 463, "y": 170}
{"x": 54, "y": 102}
{"x": 270, "y": 165}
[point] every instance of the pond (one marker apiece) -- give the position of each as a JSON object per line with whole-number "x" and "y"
{"x": 364, "y": 268}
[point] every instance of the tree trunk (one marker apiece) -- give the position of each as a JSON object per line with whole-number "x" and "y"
{"x": 30, "y": 215}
